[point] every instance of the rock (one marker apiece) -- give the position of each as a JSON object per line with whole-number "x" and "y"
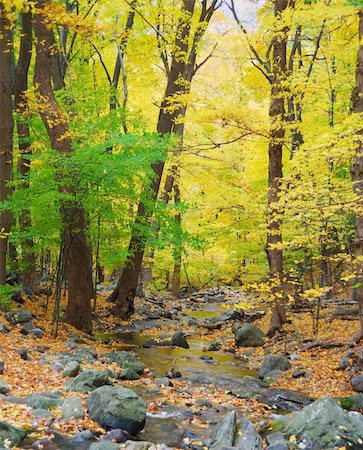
{"x": 23, "y": 353}
{"x": 42, "y": 414}
{"x": 357, "y": 382}
{"x": 89, "y": 380}
{"x": 4, "y": 329}
{"x": 104, "y": 445}
{"x": 22, "y": 315}
{"x": 298, "y": 374}
{"x": 2, "y": 367}
{"x": 274, "y": 362}
{"x": 203, "y": 402}
{"x": 132, "y": 445}
{"x": 247, "y": 437}
{"x": 352, "y": 403}
{"x": 223, "y": 434}
{"x": 72, "y": 407}
{"x": 126, "y": 360}
{"x": 119, "y": 436}
{"x": 323, "y": 425}
{"x": 12, "y": 435}
{"x": 117, "y": 408}
{"x": 44, "y": 400}
{"x": 71, "y": 369}
{"x": 37, "y": 332}
{"x": 274, "y": 437}
{"x": 227, "y": 316}
{"x": 249, "y": 336}
{"x": 56, "y": 366}
{"x": 4, "y": 387}
{"x": 284, "y": 445}
{"x": 344, "y": 363}
{"x": 130, "y": 375}
{"x": 179, "y": 340}
{"x": 215, "y": 346}
{"x": 164, "y": 382}
{"x": 83, "y": 436}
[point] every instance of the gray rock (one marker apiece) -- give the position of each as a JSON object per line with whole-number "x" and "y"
{"x": 71, "y": 369}
{"x": 44, "y": 400}
{"x": 72, "y": 407}
{"x": 129, "y": 374}
{"x": 23, "y": 353}
{"x": 4, "y": 387}
{"x": 164, "y": 382}
{"x": 344, "y": 363}
{"x": 21, "y": 316}
{"x": 324, "y": 425}
{"x": 104, "y": 445}
{"x": 298, "y": 374}
{"x": 89, "y": 380}
{"x": 249, "y": 336}
{"x": 179, "y": 340}
{"x": 274, "y": 437}
{"x": 83, "y": 436}
{"x": 42, "y": 414}
{"x": 56, "y": 366}
{"x": 357, "y": 382}
{"x": 11, "y": 434}
{"x": 133, "y": 445}
{"x": 26, "y": 327}
{"x": 126, "y": 360}
{"x": 223, "y": 434}
{"x": 4, "y": 329}
{"x": 119, "y": 436}
{"x": 274, "y": 362}
{"x": 215, "y": 346}
{"x": 283, "y": 445}
{"x": 2, "y": 367}
{"x": 247, "y": 437}
{"x": 117, "y": 408}
{"x": 38, "y": 332}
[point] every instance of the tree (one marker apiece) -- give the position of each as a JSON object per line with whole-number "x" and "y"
{"x": 6, "y": 132}
{"x": 170, "y": 121}
{"x": 75, "y": 252}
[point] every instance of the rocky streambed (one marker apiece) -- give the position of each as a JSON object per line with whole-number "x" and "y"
{"x": 162, "y": 387}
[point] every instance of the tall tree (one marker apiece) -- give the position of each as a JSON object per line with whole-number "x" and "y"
{"x": 77, "y": 252}
{"x": 172, "y": 112}
{"x": 6, "y": 131}
{"x": 21, "y": 105}
{"x": 357, "y": 175}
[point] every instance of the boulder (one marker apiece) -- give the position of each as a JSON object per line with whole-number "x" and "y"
{"x": 179, "y": 340}
{"x": 323, "y": 424}
{"x": 83, "y": 436}
{"x": 44, "y": 400}
{"x": 223, "y": 434}
{"x": 89, "y": 380}
{"x": 72, "y": 407}
{"x": 12, "y": 435}
{"x": 71, "y": 369}
{"x": 247, "y": 437}
{"x": 22, "y": 315}
{"x": 37, "y": 332}
{"x": 143, "y": 445}
{"x": 357, "y": 382}
{"x": 129, "y": 375}
{"x": 249, "y": 336}
{"x": 117, "y": 408}
{"x": 104, "y": 445}
{"x": 272, "y": 363}
{"x": 4, "y": 387}
{"x": 119, "y": 436}
{"x": 42, "y": 414}
{"x": 126, "y": 360}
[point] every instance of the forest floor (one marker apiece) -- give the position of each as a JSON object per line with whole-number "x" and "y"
{"x": 315, "y": 371}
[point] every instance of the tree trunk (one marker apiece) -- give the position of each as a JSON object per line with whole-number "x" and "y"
{"x": 357, "y": 176}
{"x": 277, "y": 135}
{"x": 78, "y": 259}
{"x": 178, "y": 237}
{"x": 21, "y": 105}
{"x": 125, "y": 291}
{"x": 6, "y": 133}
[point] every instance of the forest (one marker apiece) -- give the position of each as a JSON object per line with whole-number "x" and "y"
{"x": 181, "y": 224}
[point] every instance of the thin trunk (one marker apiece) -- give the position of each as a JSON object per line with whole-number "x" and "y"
{"x": 6, "y": 133}
{"x": 178, "y": 237}
{"x": 357, "y": 175}
{"x": 277, "y": 135}
{"x": 21, "y": 105}
{"x": 78, "y": 260}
